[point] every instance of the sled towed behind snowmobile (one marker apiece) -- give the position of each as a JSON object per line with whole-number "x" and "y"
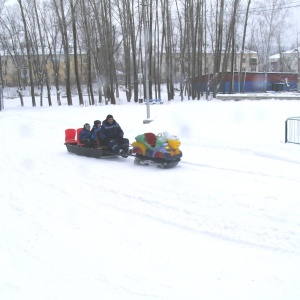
{"x": 74, "y": 146}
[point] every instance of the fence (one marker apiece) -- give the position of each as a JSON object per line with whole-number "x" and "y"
{"x": 292, "y": 130}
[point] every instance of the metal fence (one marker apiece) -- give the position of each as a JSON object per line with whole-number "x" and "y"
{"x": 292, "y": 130}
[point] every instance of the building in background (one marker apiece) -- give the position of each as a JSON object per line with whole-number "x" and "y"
{"x": 286, "y": 61}
{"x": 254, "y": 82}
{"x": 249, "y": 64}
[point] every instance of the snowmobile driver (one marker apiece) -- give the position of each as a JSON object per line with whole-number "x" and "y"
{"x": 111, "y": 135}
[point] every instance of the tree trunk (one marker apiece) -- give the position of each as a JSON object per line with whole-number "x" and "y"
{"x": 65, "y": 41}
{"x": 28, "y": 43}
{"x": 77, "y": 75}
{"x": 241, "y": 89}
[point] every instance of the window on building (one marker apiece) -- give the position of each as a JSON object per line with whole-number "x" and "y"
{"x": 84, "y": 60}
{"x": 253, "y": 61}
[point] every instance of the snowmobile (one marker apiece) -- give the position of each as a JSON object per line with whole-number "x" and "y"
{"x": 161, "y": 150}
{"x": 148, "y": 148}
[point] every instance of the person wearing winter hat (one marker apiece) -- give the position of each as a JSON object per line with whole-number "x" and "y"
{"x": 96, "y": 127}
{"x": 112, "y": 135}
{"x": 86, "y": 135}
{"x": 97, "y": 123}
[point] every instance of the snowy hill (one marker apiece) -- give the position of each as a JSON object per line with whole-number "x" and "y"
{"x": 223, "y": 224}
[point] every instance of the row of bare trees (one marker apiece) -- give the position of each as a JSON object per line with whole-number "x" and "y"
{"x": 112, "y": 33}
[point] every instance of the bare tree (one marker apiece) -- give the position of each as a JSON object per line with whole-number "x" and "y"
{"x": 243, "y": 47}
{"x": 182, "y": 47}
{"x": 200, "y": 40}
{"x": 95, "y": 47}
{"x": 53, "y": 42}
{"x": 126, "y": 22}
{"x": 187, "y": 38}
{"x": 28, "y": 52}
{"x": 232, "y": 31}
{"x": 10, "y": 42}
{"x": 75, "y": 41}
{"x": 105, "y": 39}
{"x": 39, "y": 55}
{"x": 167, "y": 37}
{"x": 269, "y": 24}
{"x": 60, "y": 10}
{"x": 87, "y": 25}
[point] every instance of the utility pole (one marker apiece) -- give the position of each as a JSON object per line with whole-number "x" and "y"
{"x": 146, "y": 63}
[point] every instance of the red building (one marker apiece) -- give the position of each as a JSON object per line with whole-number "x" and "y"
{"x": 255, "y": 82}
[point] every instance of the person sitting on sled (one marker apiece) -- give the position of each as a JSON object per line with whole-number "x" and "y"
{"x": 111, "y": 135}
{"x": 86, "y": 136}
{"x": 96, "y": 127}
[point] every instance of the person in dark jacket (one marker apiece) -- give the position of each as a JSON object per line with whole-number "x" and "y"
{"x": 111, "y": 134}
{"x": 96, "y": 127}
{"x": 85, "y": 136}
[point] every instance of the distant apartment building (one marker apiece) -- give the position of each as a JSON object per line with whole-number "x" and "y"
{"x": 13, "y": 67}
{"x": 286, "y": 61}
{"x": 249, "y": 64}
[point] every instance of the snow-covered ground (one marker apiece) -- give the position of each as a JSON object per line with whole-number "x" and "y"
{"x": 223, "y": 224}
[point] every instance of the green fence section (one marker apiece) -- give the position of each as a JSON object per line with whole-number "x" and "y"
{"x": 292, "y": 130}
